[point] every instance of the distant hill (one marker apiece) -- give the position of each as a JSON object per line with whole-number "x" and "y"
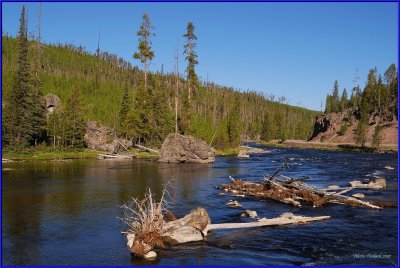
{"x": 101, "y": 79}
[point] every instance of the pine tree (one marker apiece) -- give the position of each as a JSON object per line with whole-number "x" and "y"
{"x": 145, "y": 54}
{"x": 161, "y": 124}
{"x": 269, "y": 128}
{"x": 38, "y": 118}
{"x": 233, "y": 127}
{"x": 361, "y": 130}
{"x": 355, "y": 99}
{"x": 192, "y": 80}
{"x": 335, "y": 98}
{"x": 343, "y": 100}
{"x": 17, "y": 124}
{"x": 73, "y": 120}
{"x": 328, "y": 104}
{"x": 55, "y": 128}
{"x": 140, "y": 114}
{"x": 377, "y": 136}
{"x": 125, "y": 108}
{"x": 391, "y": 78}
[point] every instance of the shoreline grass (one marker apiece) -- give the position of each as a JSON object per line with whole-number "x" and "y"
{"x": 227, "y": 151}
{"x": 327, "y": 147}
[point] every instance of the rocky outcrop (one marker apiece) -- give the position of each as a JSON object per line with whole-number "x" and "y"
{"x": 178, "y": 148}
{"x": 101, "y": 138}
{"x": 52, "y": 103}
{"x": 339, "y": 128}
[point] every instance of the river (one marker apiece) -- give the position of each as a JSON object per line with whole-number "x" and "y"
{"x": 66, "y": 213}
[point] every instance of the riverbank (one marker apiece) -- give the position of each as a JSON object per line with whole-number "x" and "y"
{"x": 331, "y": 146}
{"x": 51, "y": 154}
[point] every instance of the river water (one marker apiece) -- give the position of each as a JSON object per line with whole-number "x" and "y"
{"x": 66, "y": 213}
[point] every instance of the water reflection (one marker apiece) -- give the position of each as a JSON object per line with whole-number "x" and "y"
{"x": 60, "y": 213}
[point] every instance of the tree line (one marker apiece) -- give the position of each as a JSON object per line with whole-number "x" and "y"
{"x": 141, "y": 105}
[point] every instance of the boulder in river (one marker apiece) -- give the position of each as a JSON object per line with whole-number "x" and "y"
{"x": 178, "y": 148}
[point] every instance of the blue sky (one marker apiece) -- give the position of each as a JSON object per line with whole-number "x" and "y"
{"x": 296, "y": 50}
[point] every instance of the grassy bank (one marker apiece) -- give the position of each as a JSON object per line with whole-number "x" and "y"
{"x": 49, "y": 155}
{"x": 330, "y": 146}
{"x": 228, "y": 151}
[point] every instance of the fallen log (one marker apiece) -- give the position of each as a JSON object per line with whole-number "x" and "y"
{"x": 145, "y": 148}
{"x": 281, "y": 220}
{"x": 115, "y": 156}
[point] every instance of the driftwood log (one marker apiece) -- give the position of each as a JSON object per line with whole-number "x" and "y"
{"x": 195, "y": 227}
{"x": 150, "y": 226}
{"x": 295, "y": 192}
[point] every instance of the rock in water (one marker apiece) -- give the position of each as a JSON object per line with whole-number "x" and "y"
{"x": 178, "y": 148}
{"x": 252, "y": 214}
{"x": 233, "y": 204}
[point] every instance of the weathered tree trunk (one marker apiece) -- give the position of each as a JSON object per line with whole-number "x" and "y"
{"x": 282, "y": 220}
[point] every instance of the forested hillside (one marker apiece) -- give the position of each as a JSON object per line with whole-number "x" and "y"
{"x": 108, "y": 89}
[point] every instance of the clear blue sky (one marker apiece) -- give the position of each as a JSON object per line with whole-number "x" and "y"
{"x": 292, "y": 49}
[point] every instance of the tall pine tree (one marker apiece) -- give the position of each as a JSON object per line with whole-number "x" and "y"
{"x": 18, "y": 110}
{"x": 192, "y": 79}
{"x": 144, "y": 53}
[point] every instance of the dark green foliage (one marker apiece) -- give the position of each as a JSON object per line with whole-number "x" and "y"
{"x": 125, "y": 108}
{"x": 360, "y": 132}
{"x": 65, "y": 126}
{"x": 343, "y": 129}
{"x": 68, "y": 67}
{"x": 377, "y": 136}
{"x": 73, "y": 120}
{"x": 343, "y": 100}
{"x": 23, "y": 105}
{"x": 332, "y": 101}
{"x": 233, "y": 124}
{"x": 355, "y": 99}
{"x": 379, "y": 96}
{"x": 269, "y": 128}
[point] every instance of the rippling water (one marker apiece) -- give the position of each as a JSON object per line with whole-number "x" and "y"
{"x": 65, "y": 213}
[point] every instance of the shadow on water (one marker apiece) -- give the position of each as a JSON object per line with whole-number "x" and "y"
{"x": 66, "y": 213}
